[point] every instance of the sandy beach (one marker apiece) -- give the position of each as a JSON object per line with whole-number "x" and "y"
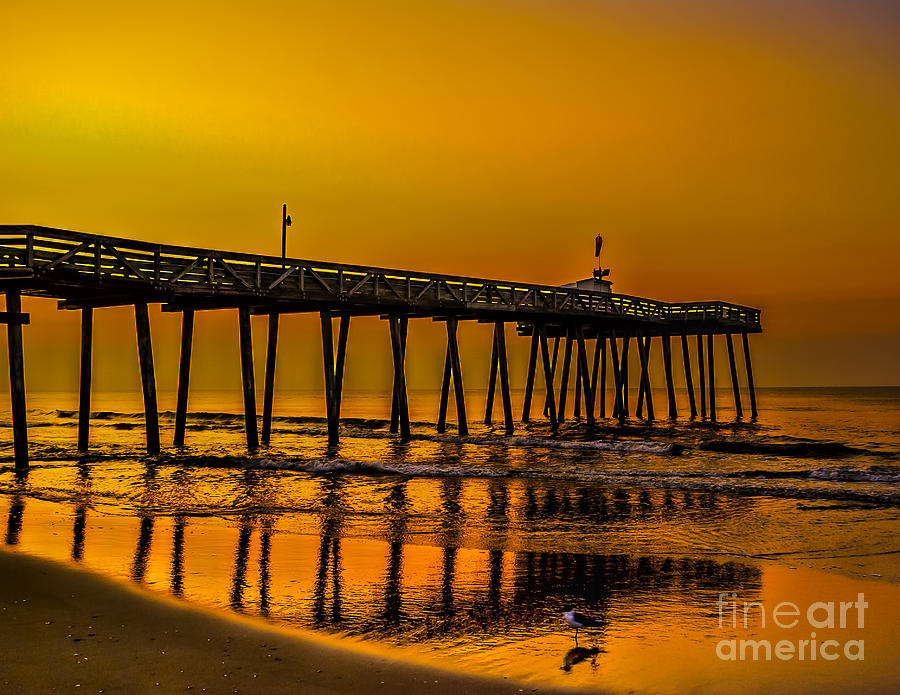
{"x": 72, "y": 631}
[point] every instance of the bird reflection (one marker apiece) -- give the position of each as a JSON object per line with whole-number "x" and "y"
{"x": 578, "y": 654}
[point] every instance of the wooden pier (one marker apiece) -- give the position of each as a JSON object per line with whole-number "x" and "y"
{"x": 84, "y": 272}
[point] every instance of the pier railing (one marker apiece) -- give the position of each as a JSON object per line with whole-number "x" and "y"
{"x": 72, "y": 263}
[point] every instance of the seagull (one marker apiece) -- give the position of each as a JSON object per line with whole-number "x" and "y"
{"x": 579, "y": 620}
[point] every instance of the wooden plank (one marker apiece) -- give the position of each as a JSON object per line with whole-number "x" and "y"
{"x": 735, "y": 385}
{"x": 529, "y": 378}
{"x": 750, "y": 386}
{"x": 504, "y": 378}
{"x": 148, "y": 376}
{"x": 688, "y": 378}
{"x": 17, "y": 381}
{"x": 20, "y": 318}
{"x": 248, "y": 379}
{"x": 269, "y": 383}
{"x": 462, "y": 424}
{"x": 184, "y": 375}
{"x": 84, "y": 391}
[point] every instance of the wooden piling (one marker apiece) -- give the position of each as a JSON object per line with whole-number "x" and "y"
{"x": 564, "y": 381}
{"x": 399, "y": 355}
{"x": 529, "y": 379}
{"x": 623, "y": 374}
{"x": 500, "y": 338}
{"x": 453, "y": 345}
{"x": 750, "y": 386}
{"x": 148, "y": 376}
{"x": 395, "y": 401}
{"x": 601, "y": 384}
{"x": 269, "y": 384}
{"x": 332, "y": 416}
{"x": 84, "y": 392}
{"x": 577, "y": 403}
{"x": 688, "y": 379}
{"x": 492, "y": 381}
{"x": 735, "y": 385}
{"x": 617, "y": 376}
{"x": 670, "y": 382}
{"x": 552, "y": 372}
{"x": 548, "y": 377}
{"x": 644, "y": 355}
{"x": 585, "y": 381}
{"x": 711, "y": 362}
{"x": 184, "y": 375}
{"x": 248, "y": 378}
{"x": 341, "y": 360}
{"x": 645, "y": 364}
{"x": 701, "y": 370}
{"x": 17, "y": 378}
{"x": 445, "y": 394}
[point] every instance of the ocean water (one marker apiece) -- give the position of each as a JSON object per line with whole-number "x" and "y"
{"x": 466, "y": 550}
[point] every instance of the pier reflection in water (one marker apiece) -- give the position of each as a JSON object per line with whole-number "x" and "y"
{"x": 442, "y": 562}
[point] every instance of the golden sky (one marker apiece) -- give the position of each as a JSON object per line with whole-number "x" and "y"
{"x": 740, "y": 151}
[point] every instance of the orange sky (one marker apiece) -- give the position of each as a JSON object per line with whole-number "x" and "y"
{"x": 748, "y": 152}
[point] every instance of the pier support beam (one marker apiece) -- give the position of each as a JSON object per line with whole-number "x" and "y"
{"x": 599, "y": 367}
{"x": 585, "y": 381}
{"x": 552, "y": 371}
{"x": 750, "y": 386}
{"x": 184, "y": 375}
{"x": 84, "y": 391}
{"x": 529, "y": 378}
{"x": 548, "y": 376}
{"x": 670, "y": 382}
{"x": 617, "y": 376}
{"x": 17, "y": 377}
{"x": 445, "y": 394}
{"x": 334, "y": 372}
{"x": 735, "y": 385}
{"x": 701, "y": 370}
{"x": 564, "y": 382}
{"x": 644, "y": 354}
{"x": 644, "y": 390}
{"x": 248, "y": 378}
{"x": 492, "y": 382}
{"x": 688, "y": 379}
{"x": 500, "y": 340}
{"x": 148, "y": 376}
{"x": 269, "y": 384}
{"x": 398, "y": 350}
{"x": 623, "y": 375}
{"x": 395, "y": 401}
{"x": 453, "y": 351}
{"x": 711, "y": 361}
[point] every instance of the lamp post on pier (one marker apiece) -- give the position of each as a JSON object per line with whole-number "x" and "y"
{"x": 285, "y": 223}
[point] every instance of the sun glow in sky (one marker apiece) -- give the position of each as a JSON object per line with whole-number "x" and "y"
{"x": 748, "y": 152}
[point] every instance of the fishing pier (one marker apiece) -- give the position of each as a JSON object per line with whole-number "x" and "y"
{"x": 84, "y": 272}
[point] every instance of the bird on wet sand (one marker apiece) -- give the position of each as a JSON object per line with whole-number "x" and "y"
{"x": 579, "y": 620}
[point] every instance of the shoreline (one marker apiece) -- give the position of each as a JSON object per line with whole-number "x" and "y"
{"x": 72, "y": 630}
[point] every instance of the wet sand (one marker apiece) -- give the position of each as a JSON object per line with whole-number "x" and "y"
{"x": 68, "y": 630}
